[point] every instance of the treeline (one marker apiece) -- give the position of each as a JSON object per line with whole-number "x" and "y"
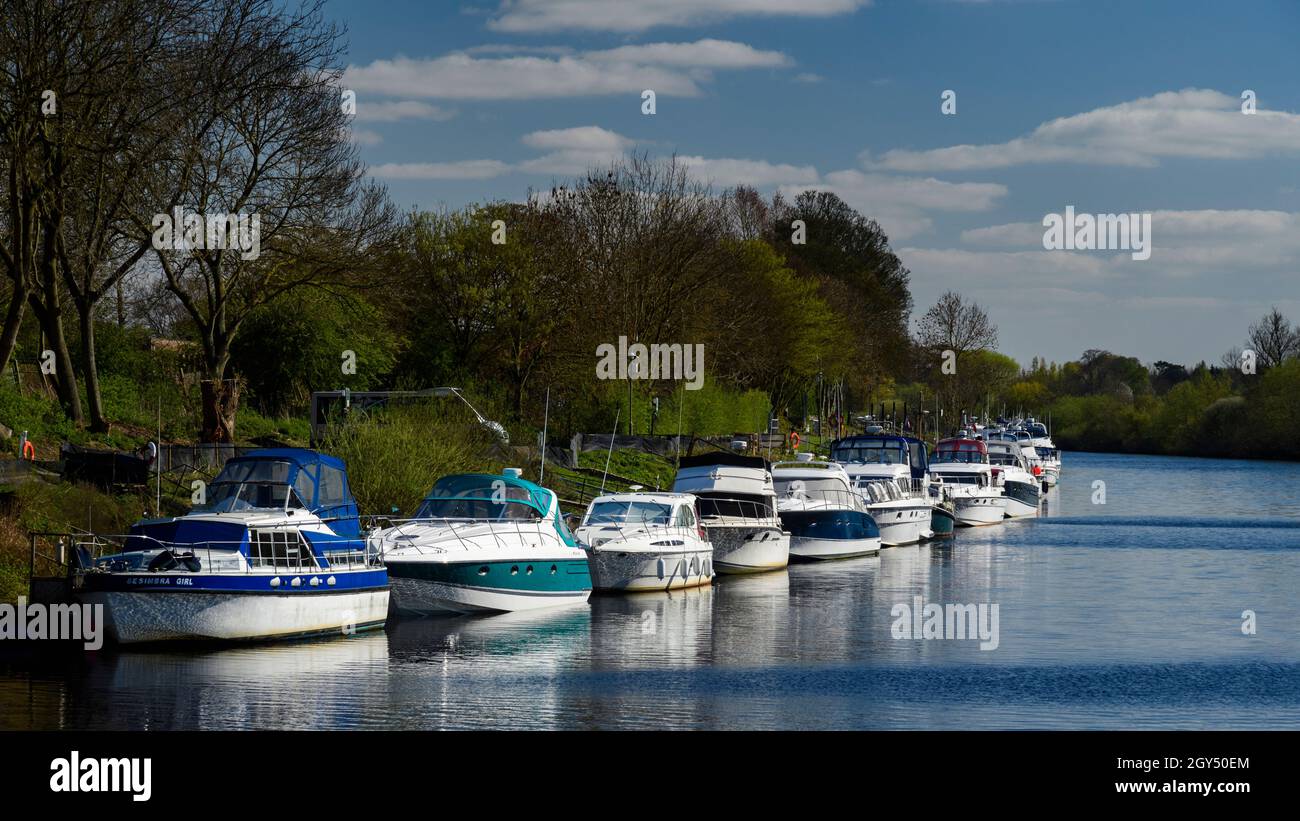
{"x": 1245, "y": 406}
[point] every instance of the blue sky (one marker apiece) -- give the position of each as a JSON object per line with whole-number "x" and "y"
{"x": 1111, "y": 107}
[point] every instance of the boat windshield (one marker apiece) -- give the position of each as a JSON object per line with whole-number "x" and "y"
{"x": 230, "y": 497}
{"x": 629, "y": 512}
{"x": 487, "y": 501}
{"x": 808, "y": 487}
{"x": 882, "y": 453}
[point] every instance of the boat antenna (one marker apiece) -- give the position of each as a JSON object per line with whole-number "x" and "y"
{"x": 546, "y": 418}
{"x": 610, "y": 454}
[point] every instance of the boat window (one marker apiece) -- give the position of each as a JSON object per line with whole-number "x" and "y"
{"x": 811, "y": 488}
{"x": 228, "y": 497}
{"x": 629, "y": 512}
{"x": 254, "y": 470}
{"x": 685, "y": 517}
{"x": 737, "y": 504}
{"x": 278, "y": 548}
{"x": 333, "y": 486}
{"x": 304, "y": 484}
{"x": 872, "y": 453}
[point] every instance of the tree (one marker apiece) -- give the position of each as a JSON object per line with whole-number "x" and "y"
{"x": 954, "y": 325}
{"x": 263, "y": 138}
{"x": 1273, "y": 339}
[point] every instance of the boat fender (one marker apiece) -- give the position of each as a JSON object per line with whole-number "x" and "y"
{"x": 165, "y": 560}
{"x": 191, "y": 562}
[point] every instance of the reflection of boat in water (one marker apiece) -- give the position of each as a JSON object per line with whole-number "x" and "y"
{"x": 645, "y": 541}
{"x": 753, "y": 625}
{"x": 481, "y": 543}
{"x": 315, "y": 684}
{"x": 652, "y": 629}
{"x": 499, "y": 639}
{"x": 273, "y": 553}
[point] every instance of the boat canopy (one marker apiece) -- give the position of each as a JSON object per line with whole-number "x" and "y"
{"x": 886, "y": 448}
{"x": 723, "y": 457}
{"x": 961, "y": 450}
{"x": 264, "y": 477}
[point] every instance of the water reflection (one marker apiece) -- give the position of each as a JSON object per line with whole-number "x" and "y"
{"x": 1117, "y": 615}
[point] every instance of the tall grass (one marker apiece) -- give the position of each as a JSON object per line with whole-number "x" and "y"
{"x": 394, "y": 456}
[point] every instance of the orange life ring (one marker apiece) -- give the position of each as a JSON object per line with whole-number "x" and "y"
{"x": 794, "y": 440}
{"x": 29, "y": 451}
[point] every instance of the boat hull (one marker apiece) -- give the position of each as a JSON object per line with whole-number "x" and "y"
{"x": 978, "y": 511}
{"x": 942, "y": 521}
{"x": 1022, "y": 499}
{"x": 902, "y": 525}
{"x": 741, "y": 549}
{"x": 630, "y": 571}
{"x": 213, "y": 615}
{"x": 819, "y": 535}
{"x": 432, "y": 587}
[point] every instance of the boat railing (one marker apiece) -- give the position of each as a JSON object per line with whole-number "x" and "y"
{"x": 81, "y": 552}
{"x": 626, "y": 530}
{"x": 454, "y": 526}
{"x": 830, "y": 498}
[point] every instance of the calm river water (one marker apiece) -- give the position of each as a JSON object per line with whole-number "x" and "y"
{"x": 1126, "y": 614}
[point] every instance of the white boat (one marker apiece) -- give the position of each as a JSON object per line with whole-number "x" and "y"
{"x": 645, "y": 541}
{"x": 1022, "y": 488}
{"x": 891, "y": 474}
{"x": 481, "y": 543}
{"x": 274, "y": 552}
{"x": 737, "y": 506}
{"x": 818, "y": 506}
{"x": 962, "y": 466}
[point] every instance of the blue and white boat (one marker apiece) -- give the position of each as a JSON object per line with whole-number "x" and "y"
{"x": 891, "y": 474}
{"x": 481, "y": 543}
{"x": 825, "y": 517}
{"x": 274, "y": 552}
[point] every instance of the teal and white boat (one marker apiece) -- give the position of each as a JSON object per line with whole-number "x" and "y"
{"x": 483, "y": 543}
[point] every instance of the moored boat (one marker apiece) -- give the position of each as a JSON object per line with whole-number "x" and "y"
{"x": 825, "y": 517}
{"x": 1022, "y": 488}
{"x": 737, "y": 505}
{"x": 645, "y": 541}
{"x": 273, "y": 553}
{"x": 962, "y": 466}
{"x": 891, "y": 474}
{"x": 482, "y": 543}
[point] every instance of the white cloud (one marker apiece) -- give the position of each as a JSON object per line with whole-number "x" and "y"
{"x": 462, "y": 77}
{"x": 1192, "y": 123}
{"x": 639, "y": 15}
{"x": 364, "y": 136}
{"x": 671, "y": 69}
{"x": 573, "y": 151}
{"x": 808, "y": 77}
{"x": 459, "y": 170}
{"x": 725, "y": 172}
{"x": 899, "y": 203}
{"x": 700, "y": 54}
{"x": 1185, "y": 243}
{"x": 391, "y": 111}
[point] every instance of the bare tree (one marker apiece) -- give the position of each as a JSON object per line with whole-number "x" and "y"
{"x": 263, "y": 138}
{"x": 956, "y": 325}
{"x": 1273, "y": 339}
